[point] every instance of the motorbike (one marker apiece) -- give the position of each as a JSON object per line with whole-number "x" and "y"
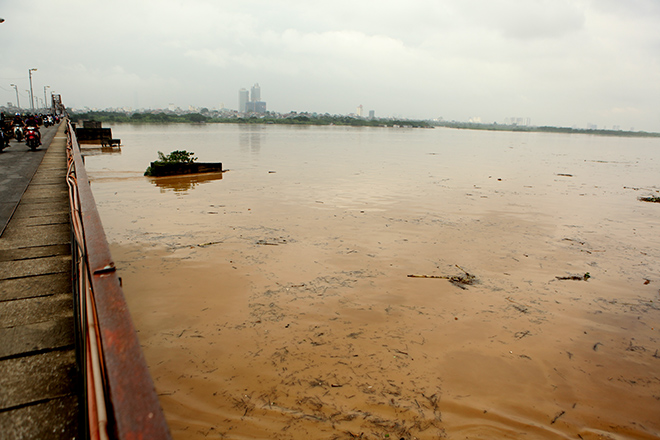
{"x": 32, "y": 137}
{"x": 18, "y": 133}
{"x": 5, "y": 134}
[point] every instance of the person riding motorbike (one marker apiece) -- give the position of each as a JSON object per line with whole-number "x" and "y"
{"x": 18, "y": 127}
{"x": 4, "y": 140}
{"x": 32, "y": 123}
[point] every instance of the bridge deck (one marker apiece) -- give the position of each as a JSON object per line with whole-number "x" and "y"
{"x": 38, "y": 374}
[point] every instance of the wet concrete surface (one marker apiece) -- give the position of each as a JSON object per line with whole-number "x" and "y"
{"x": 38, "y": 373}
{"x": 18, "y": 163}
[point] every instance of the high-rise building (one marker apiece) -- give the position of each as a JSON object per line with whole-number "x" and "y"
{"x": 243, "y": 98}
{"x": 359, "y": 110}
{"x": 372, "y": 114}
{"x": 256, "y": 107}
{"x": 255, "y": 93}
{"x": 260, "y": 107}
{"x": 251, "y": 102}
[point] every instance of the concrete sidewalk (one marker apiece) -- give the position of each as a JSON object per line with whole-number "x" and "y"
{"x": 17, "y": 167}
{"x": 38, "y": 373}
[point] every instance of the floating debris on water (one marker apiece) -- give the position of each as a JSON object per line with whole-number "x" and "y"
{"x": 457, "y": 280}
{"x": 584, "y": 277}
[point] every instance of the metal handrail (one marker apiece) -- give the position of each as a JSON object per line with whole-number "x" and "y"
{"x": 118, "y": 393}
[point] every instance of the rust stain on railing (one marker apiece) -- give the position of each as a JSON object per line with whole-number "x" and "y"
{"x": 120, "y": 398}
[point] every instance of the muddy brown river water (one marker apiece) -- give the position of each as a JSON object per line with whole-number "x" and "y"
{"x": 275, "y": 301}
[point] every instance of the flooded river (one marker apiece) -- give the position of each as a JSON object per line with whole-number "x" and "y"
{"x": 275, "y": 300}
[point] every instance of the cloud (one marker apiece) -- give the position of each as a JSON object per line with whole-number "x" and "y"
{"x": 528, "y": 20}
{"x": 555, "y": 61}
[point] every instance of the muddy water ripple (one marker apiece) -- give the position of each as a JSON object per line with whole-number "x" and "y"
{"x": 274, "y": 300}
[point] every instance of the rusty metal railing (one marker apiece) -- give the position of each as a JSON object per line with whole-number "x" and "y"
{"x": 119, "y": 398}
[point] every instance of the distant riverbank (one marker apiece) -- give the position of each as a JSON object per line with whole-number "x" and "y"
{"x": 545, "y": 129}
{"x": 310, "y": 119}
{"x": 294, "y": 119}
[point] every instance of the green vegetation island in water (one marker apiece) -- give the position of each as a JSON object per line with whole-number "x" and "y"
{"x": 295, "y": 118}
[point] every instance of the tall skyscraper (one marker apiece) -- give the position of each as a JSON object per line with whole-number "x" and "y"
{"x": 243, "y": 98}
{"x": 256, "y": 93}
{"x": 251, "y": 103}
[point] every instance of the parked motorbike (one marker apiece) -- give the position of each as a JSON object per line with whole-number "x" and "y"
{"x": 32, "y": 137}
{"x": 18, "y": 133}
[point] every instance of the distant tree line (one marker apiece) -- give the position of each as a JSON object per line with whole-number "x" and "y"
{"x": 326, "y": 119}
{"x": 139, "y": 118}
{"x": 301, "y": 119}
{"x": 544, "y": 129}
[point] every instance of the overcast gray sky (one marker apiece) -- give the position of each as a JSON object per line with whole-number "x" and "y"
{"x": 558, "y": 62}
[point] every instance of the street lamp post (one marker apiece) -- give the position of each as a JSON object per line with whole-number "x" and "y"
{"x": 45, "y": 87}
{"x": 18, "y": 104}
{"x": 31, "y": 94}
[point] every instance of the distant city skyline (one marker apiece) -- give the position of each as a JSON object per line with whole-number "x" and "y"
{"x": 221, "y": 109}
{"x": 246, "y": 105}
{"x": 251, "y": 102}
{"x": 248, "y": 102}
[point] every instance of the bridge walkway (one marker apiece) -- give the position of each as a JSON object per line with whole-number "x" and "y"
{"x": 38, "y": 374}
